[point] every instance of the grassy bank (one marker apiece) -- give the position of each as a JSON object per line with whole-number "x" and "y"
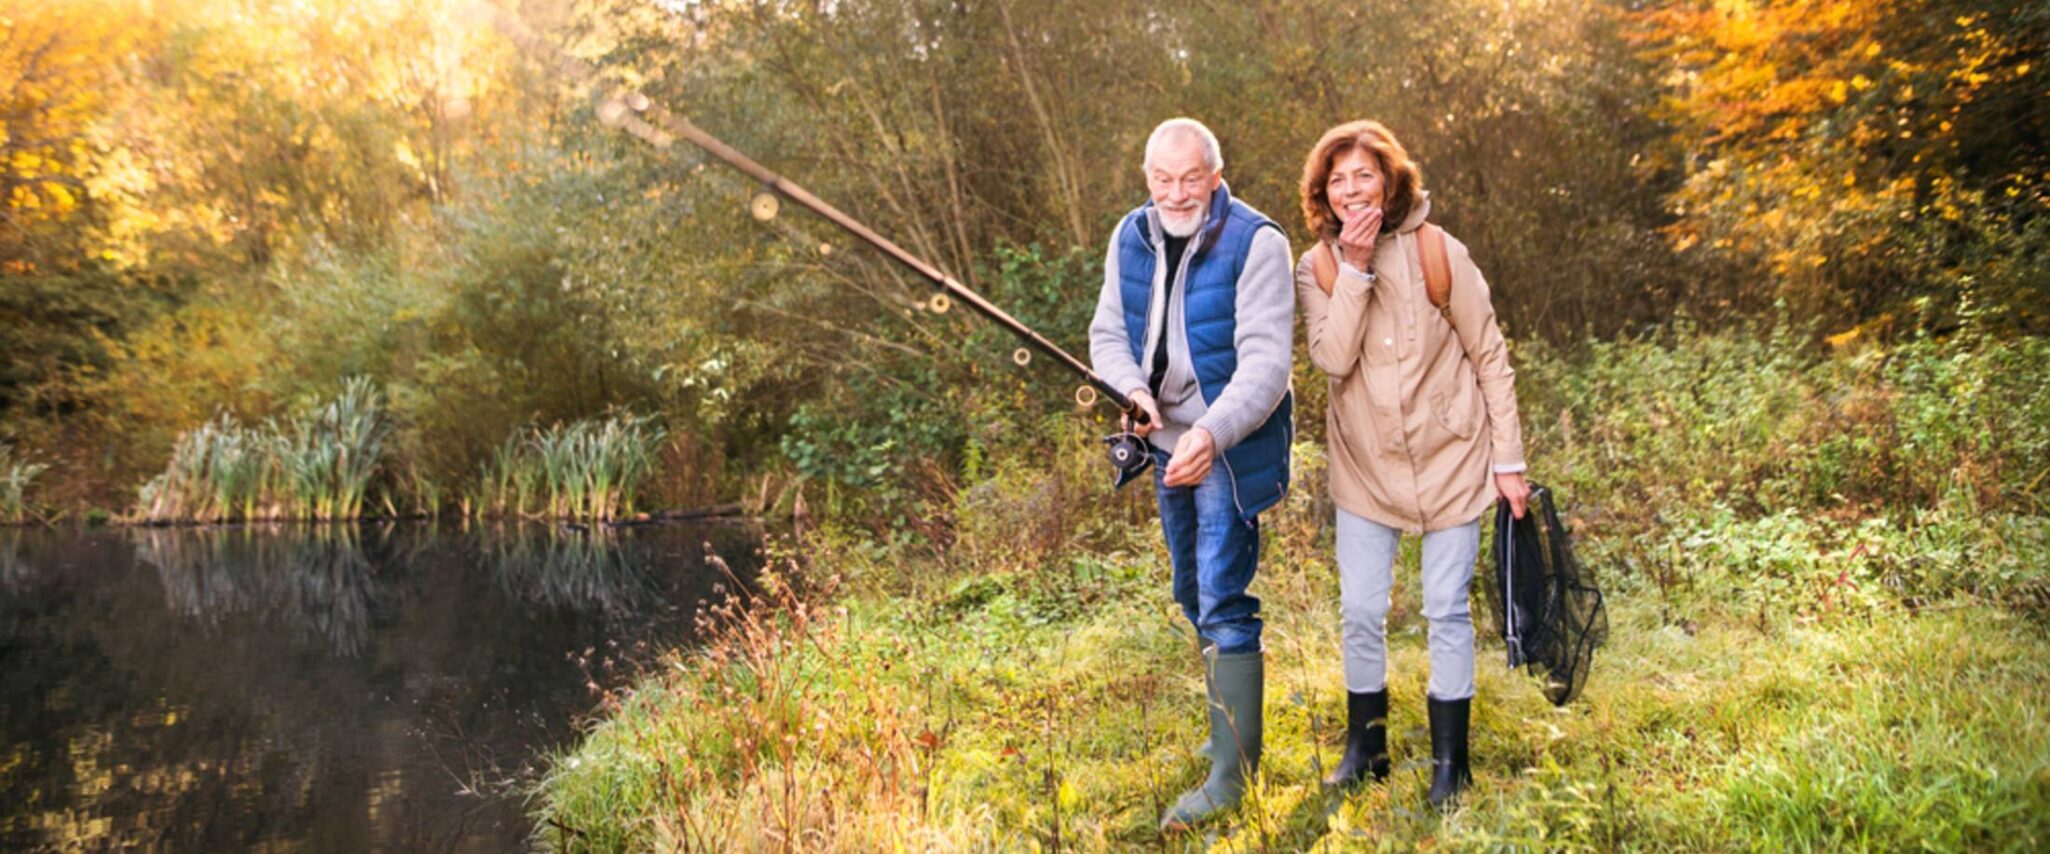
{"x": 1827, "y": 593}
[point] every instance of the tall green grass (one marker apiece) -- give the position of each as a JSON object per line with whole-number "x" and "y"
{"x": 1827, "y": 573}
{"x": 16, "y": 476}
{"x": 590, "y": 469}
{"x": 319, "y": 464}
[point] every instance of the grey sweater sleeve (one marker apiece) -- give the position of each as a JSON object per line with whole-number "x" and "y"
{"x": 1110, "y": 350}
{"x": 1264, "y": 340}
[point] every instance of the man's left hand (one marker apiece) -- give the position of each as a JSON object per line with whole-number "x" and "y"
{"x": 1515, "y": 490}
{"x": 1193, "y": 456}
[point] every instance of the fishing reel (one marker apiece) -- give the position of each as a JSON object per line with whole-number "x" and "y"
{"x": 1128, "y": 452}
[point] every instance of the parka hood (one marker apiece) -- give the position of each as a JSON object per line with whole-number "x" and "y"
{"x": 1417, "y": 214}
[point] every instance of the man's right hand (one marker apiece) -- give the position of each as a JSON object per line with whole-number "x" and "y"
{"x": 1144, "y": 400}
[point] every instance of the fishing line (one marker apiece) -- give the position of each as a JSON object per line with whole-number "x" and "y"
{"x": 635, "y": 113}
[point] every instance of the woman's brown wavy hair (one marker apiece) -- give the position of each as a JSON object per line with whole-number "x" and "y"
{"x": 1401, "y": 175}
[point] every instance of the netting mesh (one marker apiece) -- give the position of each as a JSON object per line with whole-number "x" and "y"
{"x": 1546, "y": 605}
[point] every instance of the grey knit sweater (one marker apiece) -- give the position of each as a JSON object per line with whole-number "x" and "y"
{"x": 1263, "y": 337}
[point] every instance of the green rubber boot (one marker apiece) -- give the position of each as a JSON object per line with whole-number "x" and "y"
{"x": 1237, "y": 698}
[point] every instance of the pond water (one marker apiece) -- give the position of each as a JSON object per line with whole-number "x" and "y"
{"x": 348, "y": 688}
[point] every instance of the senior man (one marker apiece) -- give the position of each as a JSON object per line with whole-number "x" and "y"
{"x": 1194, "y": 322}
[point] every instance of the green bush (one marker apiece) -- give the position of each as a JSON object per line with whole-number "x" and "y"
{"x": 1745, "y": 474}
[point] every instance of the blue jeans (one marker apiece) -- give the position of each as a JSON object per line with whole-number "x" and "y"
{"x": 1214, "y": 553}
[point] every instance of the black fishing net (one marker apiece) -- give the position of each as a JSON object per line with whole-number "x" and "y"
{"x": 1546, "y": 605}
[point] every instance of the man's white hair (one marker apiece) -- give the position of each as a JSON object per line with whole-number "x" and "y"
{"x": 1183, "y": 129}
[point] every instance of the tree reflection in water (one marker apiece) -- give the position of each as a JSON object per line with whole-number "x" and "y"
{"x": 332, "y": 687}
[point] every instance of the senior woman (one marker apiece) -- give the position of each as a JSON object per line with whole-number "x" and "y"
{"x": 1422, "y": 429}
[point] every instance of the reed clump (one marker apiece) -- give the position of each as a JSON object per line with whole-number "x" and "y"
{"x": 588, "y": 469}
{"x": 325, "y": 464}
{"x": 16, "y": 476}
{"x": 317, "y": 465}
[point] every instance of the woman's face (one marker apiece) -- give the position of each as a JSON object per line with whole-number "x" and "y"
{"x": 1355, "y": 184}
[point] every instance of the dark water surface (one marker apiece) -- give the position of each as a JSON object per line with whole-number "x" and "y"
{"x": 317, "y": 688}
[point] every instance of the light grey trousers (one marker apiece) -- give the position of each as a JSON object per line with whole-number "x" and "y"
{"x": 1366, "y": 574}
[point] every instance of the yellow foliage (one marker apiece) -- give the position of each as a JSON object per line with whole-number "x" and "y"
{"x": 54, "y": 69}
{"x": 190, "y": 125}
{"x": 1780, "y": 92}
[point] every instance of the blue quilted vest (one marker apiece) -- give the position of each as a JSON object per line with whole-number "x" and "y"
{"x": 1258, "y": 464}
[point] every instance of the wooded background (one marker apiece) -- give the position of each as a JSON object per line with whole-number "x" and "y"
{"x": 227, "y": 206}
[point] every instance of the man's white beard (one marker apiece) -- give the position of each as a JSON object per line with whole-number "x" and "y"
{"x": 1178, "y": 225}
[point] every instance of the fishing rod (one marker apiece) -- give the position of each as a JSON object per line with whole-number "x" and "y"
{"x": 639, "y": 115}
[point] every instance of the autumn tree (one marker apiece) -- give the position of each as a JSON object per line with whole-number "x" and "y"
{"x": 62, "y": 193}
{"x": 1879, "y": 161}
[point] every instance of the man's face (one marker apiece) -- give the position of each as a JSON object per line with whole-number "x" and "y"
{"x": 1181, "y": 185}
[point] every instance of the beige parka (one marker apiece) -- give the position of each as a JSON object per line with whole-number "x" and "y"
{"x": 1420, "y": 420}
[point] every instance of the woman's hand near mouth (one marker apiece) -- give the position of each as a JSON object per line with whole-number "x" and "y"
{"x": 1356, "y": 239}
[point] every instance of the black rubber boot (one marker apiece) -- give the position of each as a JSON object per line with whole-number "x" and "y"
{"x": 1449, "y": 772}
{"x": 1366, "y": 740}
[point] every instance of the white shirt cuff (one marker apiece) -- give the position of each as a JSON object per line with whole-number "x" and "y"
{"x": 1511, "y": 468}
{"x": 1345, "y": 268}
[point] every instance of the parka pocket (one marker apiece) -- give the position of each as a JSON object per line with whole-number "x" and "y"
{"x": 1459, "y": 416}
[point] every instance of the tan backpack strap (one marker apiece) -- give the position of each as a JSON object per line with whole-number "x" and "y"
{"x": 1437, "y": 268}
{"x": 1324, "y": 265}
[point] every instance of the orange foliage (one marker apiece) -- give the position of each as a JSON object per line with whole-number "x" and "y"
{"x": 1813, "y": 133}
